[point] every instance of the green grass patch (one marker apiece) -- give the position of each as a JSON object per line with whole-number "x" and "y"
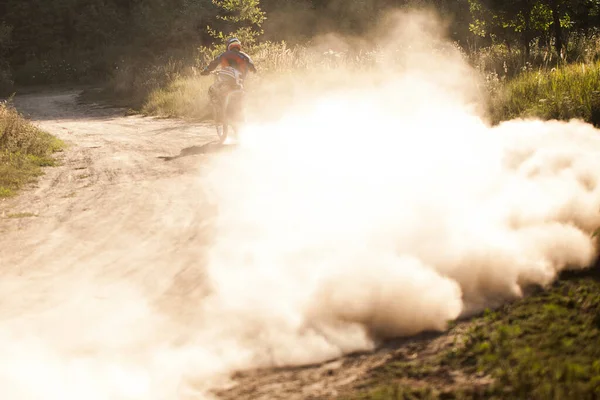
{"x": 546, "y": 346}
{"x": 185, "y": 96}
{"x": 70, "y": 195}
{"x": 21, "y": 215}
{"x": 563, "y": 93}
{"x": 24, "y": 150}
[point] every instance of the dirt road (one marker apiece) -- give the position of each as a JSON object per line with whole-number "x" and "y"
{"x": 113, "y": 228}
{"x": 104, "y": 255}
{"x": 109, "y": 201}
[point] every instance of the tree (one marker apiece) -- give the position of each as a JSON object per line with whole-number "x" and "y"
{"x": 523, "y": 19}
{"x": 241, "y": 18}
{"x": 5, "y": 74}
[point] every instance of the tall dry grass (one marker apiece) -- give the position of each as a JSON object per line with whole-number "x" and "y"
{"x": 566, "y": 92}
{"x": 24, "y": 149}
{"x": 187, "y": 94}
{"x": 542, "y": 85}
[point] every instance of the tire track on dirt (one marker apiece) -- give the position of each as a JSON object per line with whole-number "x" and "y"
{"x": 111, "y": 220}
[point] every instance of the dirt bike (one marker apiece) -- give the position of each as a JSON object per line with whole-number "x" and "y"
{"x": 227, "y": 102}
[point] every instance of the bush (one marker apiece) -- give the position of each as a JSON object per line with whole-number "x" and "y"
{"x": 561, "y": 93}
{"x": 185, "y": 92}
{"x": 23, "y": 150}
{"x": 542, "y": 86}
{"x": 185, "y": 96}
{"x": 6, "y": 82}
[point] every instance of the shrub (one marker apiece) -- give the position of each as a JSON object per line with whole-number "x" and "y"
{"x": 24, "y": 148}
{"x": 561, "y": 93}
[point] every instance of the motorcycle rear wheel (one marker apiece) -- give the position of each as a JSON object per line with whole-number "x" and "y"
{"x": 230, "y": 115}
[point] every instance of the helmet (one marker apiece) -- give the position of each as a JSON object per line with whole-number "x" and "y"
{"x": 234, "y": 43}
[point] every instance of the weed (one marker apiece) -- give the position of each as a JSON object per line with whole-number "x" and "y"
{"x": 541, "y": 347}
{"x": 5, "y": 192}
{"x": 24, "y": 149}
{"x": 542, "y": 87}
{"x": 21, "y": 215}
{"x": 70, "y": 195}
{"x": 561, "y": 93}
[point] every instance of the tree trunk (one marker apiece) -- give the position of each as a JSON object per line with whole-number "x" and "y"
{"x": 527, "y": 34}
{"x": 558, "y": 36}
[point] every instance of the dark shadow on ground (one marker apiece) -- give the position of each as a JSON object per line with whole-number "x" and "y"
{"x": 208, "y": 148}
{"x": 592, "y": 273}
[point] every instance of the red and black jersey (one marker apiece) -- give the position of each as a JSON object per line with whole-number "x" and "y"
{"x": 236, "y": 59}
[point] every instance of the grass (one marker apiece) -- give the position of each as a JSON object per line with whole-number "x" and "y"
{"x": 178, "y": 91}
{"x": 21, "y": 215}
{"x": 185, "y": 96}
{"x": 541, "y": 86}
{"x": 571, "y": 91}
{"x": 545, "y": 346}
{"x": 24, "y": 150}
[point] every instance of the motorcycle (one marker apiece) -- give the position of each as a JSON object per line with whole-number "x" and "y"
{"x": 227, "y": 100}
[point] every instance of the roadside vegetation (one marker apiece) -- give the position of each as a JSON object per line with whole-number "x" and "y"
{"x": 570, "y": 91}
{"x": 147, "y": 55}
{"x": 24, "y": 150}
{"x": 541, "y": 85}
{"x": 564, "y": 91}
{"x": 545, "y": 346}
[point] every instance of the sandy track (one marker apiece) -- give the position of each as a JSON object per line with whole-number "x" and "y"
{"x": 110, "y": 207}
{"x": 111, "y": 170}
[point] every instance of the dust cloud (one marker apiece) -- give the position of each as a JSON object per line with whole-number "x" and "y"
{"x": 384, "y": 206}
{"x": 391, "y": 208}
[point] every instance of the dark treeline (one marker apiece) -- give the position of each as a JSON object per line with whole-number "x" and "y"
{"x": 44, "y": 41}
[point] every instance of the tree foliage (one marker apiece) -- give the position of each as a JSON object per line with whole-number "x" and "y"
{"x": 244, "y": 19}
{"x": 66, "y": 40}
{"x": 526, "y": 20}
{"x": 58, "y": 40}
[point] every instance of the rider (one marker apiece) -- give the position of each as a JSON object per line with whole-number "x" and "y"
{"x": 233, "y": 57}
